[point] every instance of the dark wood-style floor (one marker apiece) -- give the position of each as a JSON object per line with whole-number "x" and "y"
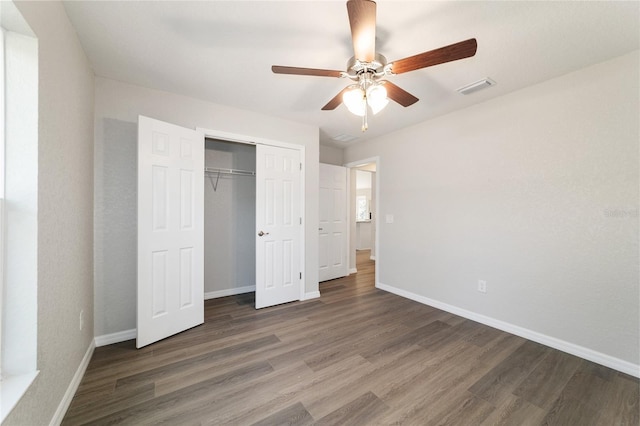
{"x": 356, "y": 356}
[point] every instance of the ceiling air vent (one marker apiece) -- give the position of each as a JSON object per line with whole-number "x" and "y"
{"x": 344, "y": 138}
{"x": 478, "y": 85}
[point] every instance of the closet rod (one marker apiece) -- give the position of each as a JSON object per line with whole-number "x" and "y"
{"x": 229, "y": 171}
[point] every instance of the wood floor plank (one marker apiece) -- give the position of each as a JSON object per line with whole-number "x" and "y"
{"x": 385, "y": 374}
{"x": 179, "y": 367}
{"x": 568, "y": 411}
{"x": 224, "y": 405}
{"x": 621, "y": 401}
{"x": 353, "y": 345}
{"x": 469, "y": 409}
{"x": 357, "y": 355}
{"x": 295, "y": 415}
{"x": 447, "y": 375}
{"x": 106, "y": 405}
{"x": 587, "y": 385}
{"x": 548, "y": 379}
{"x": 499, "y": 383}
{"x": 363, "y": 410}
{"x": 323, "y": 382}
{"x": 183, "y": 399}
{"x": 397, "y": 342}
{"x": 198, "y": 372}
{"x": 515, "y": 411}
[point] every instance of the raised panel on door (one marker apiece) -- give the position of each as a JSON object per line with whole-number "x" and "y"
{"x": 170, "y": 230}
{"x": 278, "y": 226}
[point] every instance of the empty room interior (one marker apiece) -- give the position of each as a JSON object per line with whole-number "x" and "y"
{"x": 320, "y": 212}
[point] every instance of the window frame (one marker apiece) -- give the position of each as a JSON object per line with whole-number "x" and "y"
{"x": 363, "y": 208}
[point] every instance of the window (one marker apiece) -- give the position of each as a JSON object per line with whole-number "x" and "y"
{"x": 2, "y": 84}
{"x": 362, "y": 208}
{"x": 19, "y": 191}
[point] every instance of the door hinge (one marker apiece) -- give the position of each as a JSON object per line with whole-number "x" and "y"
{"x": 300, "y": 221}
{"x": 300, "y": 275}
{"x": 300, "y": 166}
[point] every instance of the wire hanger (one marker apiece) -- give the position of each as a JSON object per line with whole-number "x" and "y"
{"x": 214, "y": 185}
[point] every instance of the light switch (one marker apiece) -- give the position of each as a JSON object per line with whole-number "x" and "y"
{"x": 389, "y": 218}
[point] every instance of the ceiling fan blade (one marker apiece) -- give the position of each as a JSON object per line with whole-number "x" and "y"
{"x": 362, "y": 18}
{"x": 399, "y": 95}
{"x": 335, "y": 102}
{"x": 278, "y": 69}
{"x": 453, "y": 52}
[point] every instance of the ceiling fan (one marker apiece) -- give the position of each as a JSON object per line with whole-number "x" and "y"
{"x": 367, "y": 67}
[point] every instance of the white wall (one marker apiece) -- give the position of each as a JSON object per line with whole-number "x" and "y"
{"x": 535, "y": 192}
{"x": 65, "y": 211}
{"x": 116, "y": 112}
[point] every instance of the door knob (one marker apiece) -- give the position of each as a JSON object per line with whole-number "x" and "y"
{"x": 260, "y": 234}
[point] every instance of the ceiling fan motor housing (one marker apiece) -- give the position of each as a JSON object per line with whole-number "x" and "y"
{"x": 376, "y": 68}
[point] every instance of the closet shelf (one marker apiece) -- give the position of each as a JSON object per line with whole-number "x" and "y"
{"x": 219, "y": 171}
{"x": 211, "y": 171}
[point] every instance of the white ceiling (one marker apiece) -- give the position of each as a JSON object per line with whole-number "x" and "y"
{"x": 222, "y": 51}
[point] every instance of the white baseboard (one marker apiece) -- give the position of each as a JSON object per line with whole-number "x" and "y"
{"x": 229, "y": 292}
{"x": 73, "y": 387}
{"x": 311, "y": 295}
{"x": 353, "y": 271}
{"x": 562, "y": 345}
{"x": 120, "y": 336}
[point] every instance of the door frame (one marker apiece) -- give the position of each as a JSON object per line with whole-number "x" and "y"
{"x": 354, "y": 165}
{"x": 254, "y": 140}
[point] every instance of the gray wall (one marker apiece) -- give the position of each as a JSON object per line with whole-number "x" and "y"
{"x": 331, "y": 155}
{"x": 65, "y": 210}
{"x": 535, "y": 192}
{"x": 229, "y": 219}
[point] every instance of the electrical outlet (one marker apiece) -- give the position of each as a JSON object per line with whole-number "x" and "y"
{"x": 81, "y": 319}
{"x": 482, "y": 286}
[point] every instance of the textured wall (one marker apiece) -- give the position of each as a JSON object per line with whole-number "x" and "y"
{"x": 65, "y": 210}
{"x": 116, "y": 198}
{"x": 535, "y": 192}
{"x": 118, "y": 104}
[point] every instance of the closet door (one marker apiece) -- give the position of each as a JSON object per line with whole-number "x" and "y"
{"x": 170, "y": 230}
{"x": 278, "y": 223}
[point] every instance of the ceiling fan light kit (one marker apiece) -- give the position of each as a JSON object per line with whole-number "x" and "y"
{"x": 367, "y": 67}
{"x": 366, "y": 94}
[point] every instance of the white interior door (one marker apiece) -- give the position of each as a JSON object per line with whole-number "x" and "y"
{"x": 278, "y": 225}
{"x": 170, "y": 230}
{"x": 333, "y": 222}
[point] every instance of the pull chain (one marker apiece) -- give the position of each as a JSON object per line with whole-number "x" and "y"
{"x": 365, "y": 125}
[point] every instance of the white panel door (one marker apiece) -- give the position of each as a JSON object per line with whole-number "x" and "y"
{"x": 170, "y": 230}
{"x": 333, "y": 222}
{"x": 278, "y": 225}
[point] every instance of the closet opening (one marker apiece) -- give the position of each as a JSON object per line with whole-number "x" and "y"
{"x": 229, "y": 218}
